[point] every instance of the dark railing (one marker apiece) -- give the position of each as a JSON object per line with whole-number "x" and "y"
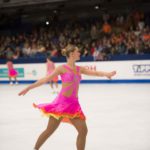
{"x": 42, "y": 59}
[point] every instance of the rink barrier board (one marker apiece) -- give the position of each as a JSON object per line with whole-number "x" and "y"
{"x": 127, "y": 71}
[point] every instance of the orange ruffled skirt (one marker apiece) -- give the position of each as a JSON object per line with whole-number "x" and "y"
{"x": 62, "y": 107}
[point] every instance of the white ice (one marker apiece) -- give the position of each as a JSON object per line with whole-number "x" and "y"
{"x": 118, "y": 118}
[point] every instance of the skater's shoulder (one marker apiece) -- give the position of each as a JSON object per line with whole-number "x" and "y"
{"x": 60, "y": 69}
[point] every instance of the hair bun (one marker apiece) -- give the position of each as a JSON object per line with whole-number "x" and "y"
{"x": 63, "y": 52}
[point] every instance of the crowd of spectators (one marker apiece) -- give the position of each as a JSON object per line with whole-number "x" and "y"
{"x": 100, "y": 38}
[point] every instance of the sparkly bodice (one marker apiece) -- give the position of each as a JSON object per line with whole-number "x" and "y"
{"x": 71, "y": 80}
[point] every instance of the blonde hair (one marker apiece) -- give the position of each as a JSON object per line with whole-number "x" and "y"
{"x": 68, "y": 49}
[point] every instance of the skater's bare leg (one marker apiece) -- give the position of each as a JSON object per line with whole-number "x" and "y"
{"x": 51, "y": 127}
{"x": 56, "y": 84}
{"x": 51, "y": 84}
{"x": 81, "y": 127}
{"x": 15, "y": 78}
{"x": 10, "y": 80}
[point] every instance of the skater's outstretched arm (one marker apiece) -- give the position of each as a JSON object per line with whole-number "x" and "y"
{"x": 41, "y": 81}
{"x": 97, "y": 73}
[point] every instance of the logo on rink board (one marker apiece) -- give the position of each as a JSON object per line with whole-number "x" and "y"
{"x": 141, "y": 69}
{"x": 4, "y": 72}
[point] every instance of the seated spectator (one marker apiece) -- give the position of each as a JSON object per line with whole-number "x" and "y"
{"x": 54, "y": 51}
{"x": 93, "y": 48}
{"x": 94, "y": 32}
{"x": 106, "y": 28}
{"x": 86, "y": 51}
{"x": 26, "y": 49}
{"x": 9, "y": 52}
{"x": 17, "y": 52}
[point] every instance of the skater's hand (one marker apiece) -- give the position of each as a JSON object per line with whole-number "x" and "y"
{"x": 110, "y": 74}
{"x": 23, "y": 92}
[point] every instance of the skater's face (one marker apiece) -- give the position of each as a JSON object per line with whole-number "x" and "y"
{"x": 76, "y": 54}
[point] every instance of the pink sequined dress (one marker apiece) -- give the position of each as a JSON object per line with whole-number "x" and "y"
{"x": 11, "y": 71}
{"x": 66, "y": 104}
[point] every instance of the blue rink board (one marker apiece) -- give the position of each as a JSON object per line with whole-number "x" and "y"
{"x": 89, "y": 81}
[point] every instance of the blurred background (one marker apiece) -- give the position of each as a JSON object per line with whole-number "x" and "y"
{"x": 103, "y": 29}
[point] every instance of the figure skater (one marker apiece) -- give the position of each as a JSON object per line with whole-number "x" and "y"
{"x": 65, "y": 106}
{"x": 50, "y": 68}
{"x": 12, "y": 73}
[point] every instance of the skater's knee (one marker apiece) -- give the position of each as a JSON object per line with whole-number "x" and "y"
{"x": 83, "y": 131}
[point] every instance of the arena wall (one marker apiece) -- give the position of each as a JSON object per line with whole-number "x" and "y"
{"x": 127, "y": 71}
